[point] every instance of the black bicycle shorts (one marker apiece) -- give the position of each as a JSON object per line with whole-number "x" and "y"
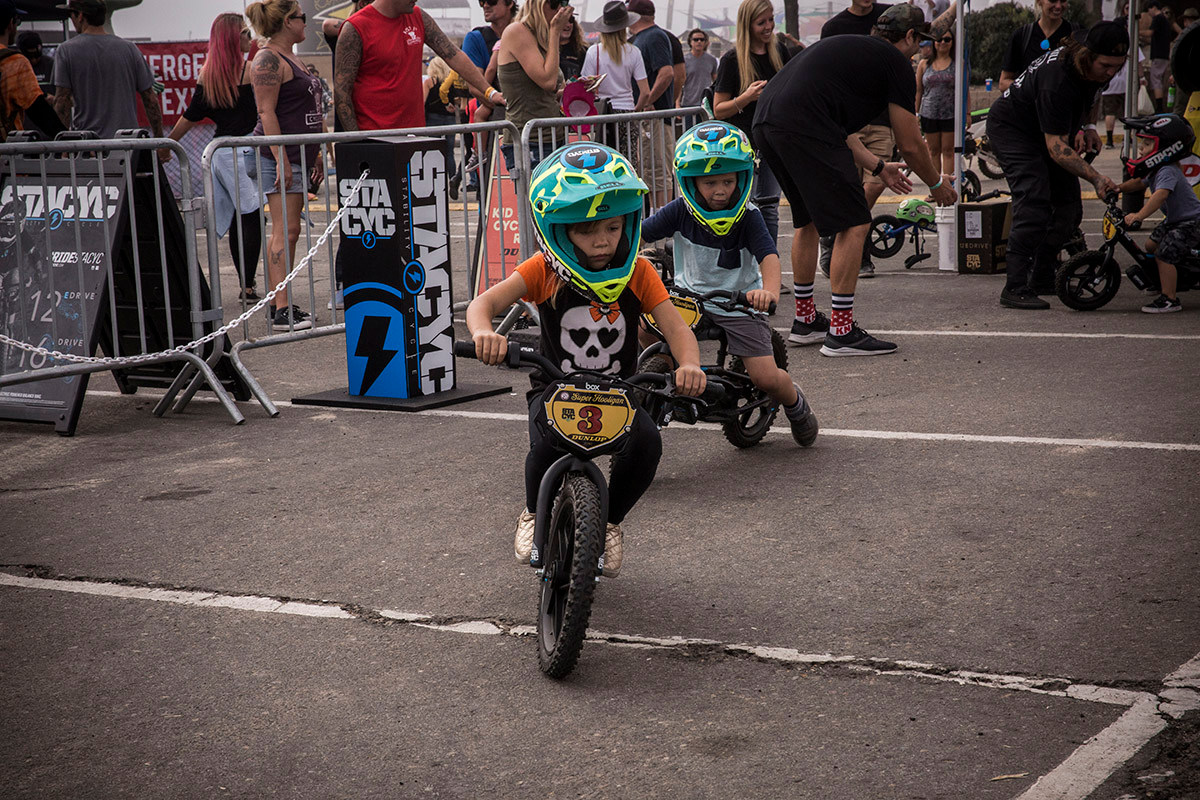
{"x": 819, "y": 179}
{"x": 932, "y": 125}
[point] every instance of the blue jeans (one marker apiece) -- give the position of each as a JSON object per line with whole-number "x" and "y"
{"x": 537, "y": 151}
{"x": 765, "y": 194}
{"x": 432, "y": 120}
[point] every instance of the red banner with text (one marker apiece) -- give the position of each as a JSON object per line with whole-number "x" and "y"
{"x": 176, "y": 65}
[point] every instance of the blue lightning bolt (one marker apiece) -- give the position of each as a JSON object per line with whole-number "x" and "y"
{"x": 588, "y": 160}
{"x": 371, "y": 340}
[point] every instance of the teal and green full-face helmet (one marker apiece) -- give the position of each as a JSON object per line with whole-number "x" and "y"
{"x": 916, "y": 211}
{"x": 587, "y": 182}
{"x": 715, "y": 148}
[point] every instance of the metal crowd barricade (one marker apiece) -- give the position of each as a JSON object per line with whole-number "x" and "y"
{"x": 84, "y": 163}
{"x": 646, "y": 138}
{"x": 321, "y": 284}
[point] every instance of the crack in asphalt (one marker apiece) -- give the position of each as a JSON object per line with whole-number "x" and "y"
{"x": 1169, "y": 700}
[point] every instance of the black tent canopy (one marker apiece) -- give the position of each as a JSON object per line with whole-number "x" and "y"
{"x": 41, "y": 10}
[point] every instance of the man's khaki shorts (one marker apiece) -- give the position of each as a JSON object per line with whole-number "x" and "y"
{"x": 879, "y": 140}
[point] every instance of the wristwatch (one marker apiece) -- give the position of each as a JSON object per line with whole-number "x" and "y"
{"x": 878, "y": 168}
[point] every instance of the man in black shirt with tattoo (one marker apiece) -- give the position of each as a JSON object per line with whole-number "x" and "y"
{"x": 1029, "y": 127}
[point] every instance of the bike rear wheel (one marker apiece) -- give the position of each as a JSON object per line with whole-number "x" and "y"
{"x": 1087, "y": 281}
{"x": 881, "y": 240}
{"x": 571, "y": 563}
{"x": 970, "y": 186}
{"x": 752, "y": 424}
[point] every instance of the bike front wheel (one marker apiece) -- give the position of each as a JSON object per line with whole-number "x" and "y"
{"x": 754, "y": 418}
{"x": 571, "y": 563}
{"x": 1087, "y": 281}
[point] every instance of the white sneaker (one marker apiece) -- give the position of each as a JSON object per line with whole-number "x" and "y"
{"x": 610, "y": 559}
{"x": 523, "y": 543}
{"x": 337, "y": 301}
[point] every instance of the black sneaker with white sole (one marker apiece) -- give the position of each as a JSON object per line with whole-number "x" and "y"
{"x": 803, "y": 422}
{"x": 1162, "y": 305}
{"x": 291, "y": 319}
{"x": 856, "y": 343}
{"x": 809, "y": 333}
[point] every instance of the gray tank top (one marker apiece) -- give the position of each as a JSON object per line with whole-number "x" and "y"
{"x": 524, "y": 98}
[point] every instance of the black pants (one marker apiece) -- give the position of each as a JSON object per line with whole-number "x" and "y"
{"x": 633, "y": 465}
{"x": 1046, "y": 205}
{"x": 245, "y": 248}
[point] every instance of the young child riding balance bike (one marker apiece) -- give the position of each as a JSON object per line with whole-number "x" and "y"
{"x": 1162, "y": 141}
{"x": 590, "y": 288}
{"x": 722, "y": 243}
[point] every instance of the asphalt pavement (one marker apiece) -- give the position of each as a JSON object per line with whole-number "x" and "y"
{"x": 980, "y": 583}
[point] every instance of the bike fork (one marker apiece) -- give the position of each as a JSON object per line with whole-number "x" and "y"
{"x": 548, "y": 491}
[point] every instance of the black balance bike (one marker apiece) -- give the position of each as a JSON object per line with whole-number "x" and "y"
{"x": 744, "y": 411}
{"x": 1090, "y": 279}
{"x": 589, "y": 416}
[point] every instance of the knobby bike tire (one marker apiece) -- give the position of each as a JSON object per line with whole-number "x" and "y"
{"x": 575, "y": 541}
{"x": 750, "y": 426}
{"x": 1087, "y": 281}
{"x": 881, "y": 243}
{"x": 989, "y": 166}
{"x": 971, "y": 188}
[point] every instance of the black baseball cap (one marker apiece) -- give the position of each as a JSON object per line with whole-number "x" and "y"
{"x": 9, "y": 12}
{"x": 902, "y": 18}
{"x": 1105, "y": 38}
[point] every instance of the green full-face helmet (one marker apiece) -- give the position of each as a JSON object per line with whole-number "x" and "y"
{"x": 715, "y": 148}
{"x": 587, "y": 182}
{"x": 916, "y": 211}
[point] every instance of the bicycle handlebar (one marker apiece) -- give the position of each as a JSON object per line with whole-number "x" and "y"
{"x": 724, "y": 298}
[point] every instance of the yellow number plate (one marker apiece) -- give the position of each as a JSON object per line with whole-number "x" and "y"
{"x": 589, "y": 418}
{"x": 688, "y": 308}
{"x": 1109, "y": 229}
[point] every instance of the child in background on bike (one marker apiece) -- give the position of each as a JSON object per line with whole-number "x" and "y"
{"x": 722, "y": 243}
{"x": 590, "y": 288}
{"x": 1162, "y": 141}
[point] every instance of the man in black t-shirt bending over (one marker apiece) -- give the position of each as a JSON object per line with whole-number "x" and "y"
{"x": 804, "y": 124}
{"x": 1030, "y": 128}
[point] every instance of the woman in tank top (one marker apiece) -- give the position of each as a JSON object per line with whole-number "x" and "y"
{"x": 289, "y": 101}
{"x": 935, "y": 101}
{"x": 528, "y": 69}
{"x": 224, "y": 95}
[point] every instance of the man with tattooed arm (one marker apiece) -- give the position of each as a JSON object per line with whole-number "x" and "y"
{"x": 1030, "y": 127}
{"x": 377, "y": 69}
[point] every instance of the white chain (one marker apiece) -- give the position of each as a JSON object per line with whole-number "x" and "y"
{"x": 123, "y": 360}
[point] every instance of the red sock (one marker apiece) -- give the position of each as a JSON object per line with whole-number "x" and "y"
{"x": 806, "y": 309}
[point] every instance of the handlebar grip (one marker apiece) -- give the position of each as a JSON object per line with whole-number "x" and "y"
{"x": 1111, "y": 198}
{"x": 464, "y": 349}
{"x": 743, "y": 300}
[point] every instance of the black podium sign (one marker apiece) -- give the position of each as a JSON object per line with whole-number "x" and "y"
{"x": 56, "y": 240}
{"x": 396, "y": 255}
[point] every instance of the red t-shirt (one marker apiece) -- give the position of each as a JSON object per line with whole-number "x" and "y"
{"x": 387, "y": 91}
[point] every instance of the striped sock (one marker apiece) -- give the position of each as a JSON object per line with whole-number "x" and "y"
{"x": 806, "y": 309}
{"x": 841, "y": 317}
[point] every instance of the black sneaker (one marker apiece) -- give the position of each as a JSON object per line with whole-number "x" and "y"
{"x": 867, "y": 270}
{"x": 856, "y": 343}
{"x": 1022, "y": 298}
{"x": 810, "y": 333}
{"x": 291, "y": 319}
{"x": 804, "y": 426}
{"x": 1162, "y": 305}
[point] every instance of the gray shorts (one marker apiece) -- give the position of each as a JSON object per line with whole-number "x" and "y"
{"x": 1158, "y": 73}
{"x": 1176, "y": 241}
{"x": 747, "y": 336}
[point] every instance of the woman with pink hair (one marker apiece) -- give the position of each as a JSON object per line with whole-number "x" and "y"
{"x": 224, "y": 95}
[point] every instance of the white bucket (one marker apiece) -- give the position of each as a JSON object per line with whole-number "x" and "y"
{"x": 947, "y": 220}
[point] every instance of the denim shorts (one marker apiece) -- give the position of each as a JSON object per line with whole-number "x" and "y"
{"x": 268, "y": 174}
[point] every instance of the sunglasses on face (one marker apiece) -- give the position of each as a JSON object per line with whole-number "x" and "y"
{"x": 302, "y": 17}
{"x": 946, "y": 39}
{"x": 557, "y": 4}
{"x": 698, "y": 39}
{"x": 483, "y": 3}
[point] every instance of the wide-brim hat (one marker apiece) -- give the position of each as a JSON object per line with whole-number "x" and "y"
{"x": 616, "y": 17}
{"x": 84, "y": 6}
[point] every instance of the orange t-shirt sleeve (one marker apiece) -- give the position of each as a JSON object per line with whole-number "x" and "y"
{"x": 647, "y": 285}
{"x": 540, "y": 282}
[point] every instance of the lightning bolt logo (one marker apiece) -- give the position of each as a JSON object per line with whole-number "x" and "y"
{"x": 372, "y": 339}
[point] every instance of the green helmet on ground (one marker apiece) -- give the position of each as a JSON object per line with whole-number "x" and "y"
{"x": 715, "y": 148}
{"x": 587, "y": 182}
{"x": 916, "y": 211}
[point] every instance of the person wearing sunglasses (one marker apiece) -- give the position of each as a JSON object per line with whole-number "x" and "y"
{"x": 1032, "y": 41}
{"x": 99, "y": 76}
{"x": 700, "y": 68}
{"x": 935, "y": 102}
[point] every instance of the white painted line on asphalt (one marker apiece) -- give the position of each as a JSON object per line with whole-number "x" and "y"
{"x": 1100, "y": 756}
{"x": 1045, "y": 441}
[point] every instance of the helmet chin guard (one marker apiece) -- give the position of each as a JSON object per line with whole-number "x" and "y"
{"x": 1173, "y": 139}
{"x": 715, "y": 148}
{"x": 587, "y": 182}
